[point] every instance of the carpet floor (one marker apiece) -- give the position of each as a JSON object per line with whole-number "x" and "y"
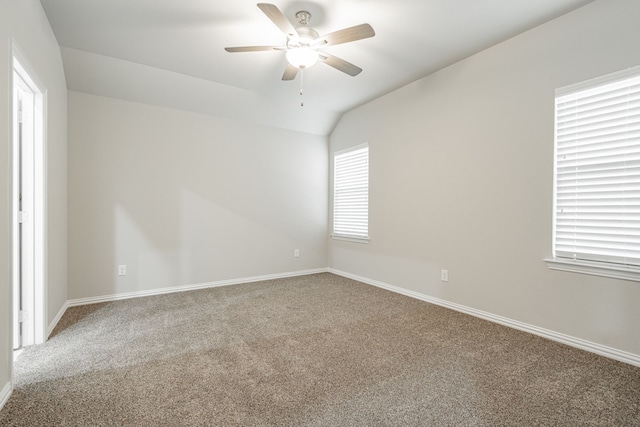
{"x": 317, "y": 350}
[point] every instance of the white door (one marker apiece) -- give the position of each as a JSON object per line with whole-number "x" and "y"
{"x": 23, "y": 208}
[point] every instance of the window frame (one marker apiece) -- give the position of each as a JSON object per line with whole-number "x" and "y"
{"x": 350, "y": 237}
{"x": 591, "y": 267}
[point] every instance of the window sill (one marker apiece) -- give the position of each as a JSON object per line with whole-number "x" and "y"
{"x": 594, "y": 268}
{"x": 353, "y": 239}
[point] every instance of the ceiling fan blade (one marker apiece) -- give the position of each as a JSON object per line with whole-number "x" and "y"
{"x": 346, "y": 35}
{"x": 339, "y": 64}
{"x": 278, "y": 18}
{"x": 252, "y": 48}
{"x": 290, "y": 72}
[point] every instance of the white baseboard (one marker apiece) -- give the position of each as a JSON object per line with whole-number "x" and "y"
{"x": 5, "y": 394}
{"x": 168, "y": 290}
{"x": 55, "y": 321}
{"x": 612, "y": 353}
{"x": 160, "y": 291}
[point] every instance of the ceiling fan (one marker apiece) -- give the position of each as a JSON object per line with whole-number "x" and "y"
{"x": 303, "y": 45}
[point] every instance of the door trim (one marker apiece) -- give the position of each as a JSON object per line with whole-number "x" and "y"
{"x": 22, "y": 66}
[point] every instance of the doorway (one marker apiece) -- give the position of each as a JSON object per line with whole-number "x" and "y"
{"x": 28, "y": 153}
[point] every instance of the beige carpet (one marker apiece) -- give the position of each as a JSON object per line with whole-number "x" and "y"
{"x": 318, "y": 350}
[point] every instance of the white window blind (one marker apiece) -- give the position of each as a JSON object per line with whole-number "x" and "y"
{"x": 597, "y": 173}
{"x": 351, "y": 193}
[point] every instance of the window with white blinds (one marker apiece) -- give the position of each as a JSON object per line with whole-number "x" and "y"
{"x": 597, "y": 172}
{"x": 351, "y": 193}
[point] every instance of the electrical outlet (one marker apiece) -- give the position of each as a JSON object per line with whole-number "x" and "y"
{"x": 122, "y": 270}
{"x": 296, "y": 253}
{"x": 444, "y": 275}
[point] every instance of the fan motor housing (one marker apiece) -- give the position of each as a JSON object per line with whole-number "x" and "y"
{"x": 306, "y": 32}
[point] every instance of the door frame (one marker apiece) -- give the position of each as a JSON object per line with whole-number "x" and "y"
{"x": 22, "y": 67}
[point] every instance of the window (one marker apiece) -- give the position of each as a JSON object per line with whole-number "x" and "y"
{"x": 597, "y": 177}
{"x": 351, "y": 193}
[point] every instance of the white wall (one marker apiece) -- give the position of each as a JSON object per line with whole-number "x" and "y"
{"x": 461, "y": 172}
{"x": 24, "y": 21}
{"x": 183, "y": 198}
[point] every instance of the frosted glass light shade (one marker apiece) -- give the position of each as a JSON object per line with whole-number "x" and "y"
{"x": 302, "y": 57}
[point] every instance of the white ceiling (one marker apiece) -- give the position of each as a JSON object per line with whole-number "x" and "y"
{"x": 171, "y": 52}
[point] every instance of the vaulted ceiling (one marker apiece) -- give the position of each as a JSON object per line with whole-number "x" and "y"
{"x": 171, "y": 53}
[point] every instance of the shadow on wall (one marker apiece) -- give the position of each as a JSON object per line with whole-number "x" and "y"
{"x": 181, "y": 198}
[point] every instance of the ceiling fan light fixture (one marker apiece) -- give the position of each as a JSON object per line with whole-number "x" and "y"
{"x": 302, "y": 57}
{"x": 303, "y": 45}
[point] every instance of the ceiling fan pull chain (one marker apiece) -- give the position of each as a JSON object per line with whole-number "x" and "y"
{"x": 301, "y": 86}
